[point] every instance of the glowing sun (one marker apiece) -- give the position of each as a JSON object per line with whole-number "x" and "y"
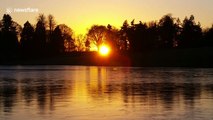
{"x": 104, "y": 50}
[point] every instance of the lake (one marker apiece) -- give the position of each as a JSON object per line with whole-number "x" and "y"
{"x": 105, "y": 93}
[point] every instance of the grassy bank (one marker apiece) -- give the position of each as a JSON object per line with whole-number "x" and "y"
{"x": 194, "y": 57}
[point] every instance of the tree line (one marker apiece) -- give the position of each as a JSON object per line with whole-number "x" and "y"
{"x": 34, "y": 40}
{"x": 46, "y": 37}
{"x": 167, "y": 33}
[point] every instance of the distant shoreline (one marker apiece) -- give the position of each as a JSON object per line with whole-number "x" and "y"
{"x": 193, "y": 57}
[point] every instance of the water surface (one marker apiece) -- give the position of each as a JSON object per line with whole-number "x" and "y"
{"x": 105, "y": 93}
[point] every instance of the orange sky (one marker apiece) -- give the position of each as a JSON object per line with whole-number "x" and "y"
{"x": 81, "y": 14}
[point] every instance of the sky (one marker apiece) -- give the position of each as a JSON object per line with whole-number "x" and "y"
{"x": 80, "y": 15}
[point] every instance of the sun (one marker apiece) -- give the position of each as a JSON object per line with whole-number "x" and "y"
{"x": 104, "y": 50}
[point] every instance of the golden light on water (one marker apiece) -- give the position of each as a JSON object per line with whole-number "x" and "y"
{"x": 104, "y": 50}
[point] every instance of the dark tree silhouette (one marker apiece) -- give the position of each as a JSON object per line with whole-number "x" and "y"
{"x": 97, "y": 35}
{"x": 40, "y": 35}
{"x": 135, "y": 39}
{"x": 9, "y": 41}
{"x": 57, "y": 42}
{"x": 51, "y": 27}
{"x": 87, "y": 45}
{"x": 124, "y": 40}
{"x": 112, "y": 37}
{"x": 80, "y": 42}
{"x": 191, "y": 33}
{"x": 67, "y": 34}
{"x": 168, "y": 31}
{"x": 153, "y": 41}
{"x": 138, "y": 37}
{"x": 51, "y": 22}
{"x": 208, "y": 37}
{"x": 27, "y": 39}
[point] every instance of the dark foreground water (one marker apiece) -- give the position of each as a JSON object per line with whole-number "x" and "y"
{"x": 105, "y": 93}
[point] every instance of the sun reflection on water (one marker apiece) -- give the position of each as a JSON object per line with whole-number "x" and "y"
{"x": 104, "y": 93}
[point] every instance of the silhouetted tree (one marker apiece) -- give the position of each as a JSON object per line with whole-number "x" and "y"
{"x": 67, "y": 34}
{"x": 80, "y": 42}
{"x": 27, "y": 39}
{"x": 97, "y": 35}
{"x": 51, "y": 22}
{"x": 42, "y": 19}
{"x": 51, "y": 26}
{"x": 87, "y": 45}
{"x": 112, "y": 37}
{"x": 168, "y": 31}
{"x": 40, "y": 35}
{"x": 18, "y": 29}
{"x": 9, "y": 41}
{"x": 1, "y": 38}
{"x": 137, "y": 36}
{"x": 0, "y": 31}
{"x": 124, "y": 41}
{"x": 57, "y": 42}
{"x": 153, "y": 39}
{"x": 208, "y": 37}
{"x": 177, "y": 36}
{"x": 191, "y": 33}
{"x": 140, "y": 41}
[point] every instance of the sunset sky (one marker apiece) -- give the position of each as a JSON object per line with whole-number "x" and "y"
{"x": 81, "y": 14}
